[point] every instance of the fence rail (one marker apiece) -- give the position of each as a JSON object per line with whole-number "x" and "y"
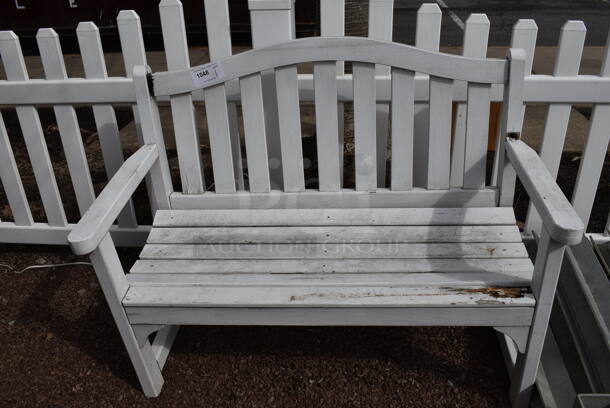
{"x": 272, "y": 22}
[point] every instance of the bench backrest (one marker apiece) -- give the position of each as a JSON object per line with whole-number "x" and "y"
{"x": 470, "y": 78}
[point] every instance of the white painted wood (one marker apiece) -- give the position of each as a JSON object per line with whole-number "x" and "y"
{"x": 558, "y": 216}
{"x": 255, "y": 133}
{"x": 594, "y": 154}
{"x": 11, "y": 181}
{"x": 357, "y": 49}
{"x": 327, "y": 126}
{"x": 344, "y": 199}
{"x": 523, "y": 36}
{"x": 492, "y": 268}
{"x": 160, "y": 186}
{"x": 219, "y": 43}
{"x": 220, "y": 139}
{"x": 364, "y": 126}
{"x": 290, "y": 128}
{"x": 271, "y": 23}
{"x": 354, "y": 216}
{"x": 114, "y": 285}
{"x": 162, "y": 344}
{"x": 183, "y": 111}
{"x": 44, "y": 234}
{"x": 143, "y": 331}
{"x": 336, "y": 234}
{"x": 370, "y": 296}
{"x": 475, "y": 278}
{"x": 67, "y": 123}
{"x": 510, "y": 126}
{"x": 518, "y": 334}
{"x": 322, "y": 316}
{"x": 427, "y": 37}
{"x": 332, "y": 251}
{"x": 403, "y": 114}
{"x": 332, "y": 24}
{"x": 438, "y": 157}
{"x": 14, "y": 67}
{"x": 381, "y": 14}
{"x": 476, "y": 34}
{"x": 567, "y": 62}
{"x": 94, "y": 225}
{"x": 474, "y": 158}
{"x": 548, "y": 265}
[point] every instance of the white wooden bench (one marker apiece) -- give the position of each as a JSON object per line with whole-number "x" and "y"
{"x": 430, "y": 255}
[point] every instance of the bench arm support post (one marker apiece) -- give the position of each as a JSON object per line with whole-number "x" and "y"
{"x": 558, "y": 216}
{"x": 96, "y": 222}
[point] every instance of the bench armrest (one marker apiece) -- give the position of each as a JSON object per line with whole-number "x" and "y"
{"x": 93, "y": 226}
{"x": 558, "y": 216}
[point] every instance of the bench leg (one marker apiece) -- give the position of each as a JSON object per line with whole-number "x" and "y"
{"x": 544, "y": 283}
{"x": 114, "y": 285}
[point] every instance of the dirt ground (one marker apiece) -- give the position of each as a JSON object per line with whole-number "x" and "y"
{"x": 60, "y": 347}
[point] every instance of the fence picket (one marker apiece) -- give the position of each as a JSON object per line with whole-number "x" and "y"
{"x": 67, "y": 123}
{"x": 569, "y": 53}
{"x": 14, "y": 66}
{"x": 332, "y": 24}
{"x": 105, "y": 118}
{"x": 476, "y": 34}
{"x": 290, "y": 128}
{"x": 11, "y": 181}
{"x": 271, "y": 24}
{"x": 183, "y": 111}
{"x": 594, "y": 154}
{"x": 255, "y": 136}
{"x": 219, "y": 43}
{"x": 477, "y": 131}
{"x": 364, "y": 126}
{"x": 381, "y": 14}
{"x": 403, "y": 109}
{"x": 427, "y": 37}
{"x": 325, "y": 90}
{"x": 439, "y": 138}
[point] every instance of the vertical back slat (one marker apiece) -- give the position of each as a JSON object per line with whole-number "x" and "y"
{"x": 105, "y": 118}
{"x": 219, "y": 43}
{"x": 271, "y": 24}
{"x": 476, "y": 34}
{"x": 332, "y": 24}
{"x": 183, "y": 111}
{"x": 220, "y": 138}
{"x": 255, "y": 133}
{"x": 427, "y": 36}
{"x": 364, "y": 126}
{"x": 594, "y": 155}
{"x": 380, "y": 28}
{"x": 439, "y": 138}
{"x": 11, "y": 180}
{"x": 403, "y": 110}
{"x": 477, "y": 130}
{"x": 523, "y": 36}
{"x": 67, "y": 123}
{"x": 325, "y": 88}
{"x": 289, "y": 117}
{"x": 569, "y": 53}
{"x": 14, "y": 66}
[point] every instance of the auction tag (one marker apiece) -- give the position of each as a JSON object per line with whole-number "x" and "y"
{"x": 207, "y": 73}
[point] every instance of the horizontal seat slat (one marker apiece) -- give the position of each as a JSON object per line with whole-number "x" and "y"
{"x": 336, "y": 251}
{"x": 370, "y": 296}
{"x": 322, "y": 234}
{"x": 334, "y": 266}
{"x": 520, "y": 278}
{"x": 354, "y": 216}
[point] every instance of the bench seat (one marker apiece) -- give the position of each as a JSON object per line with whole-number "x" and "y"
{"x": 320, "y": 259}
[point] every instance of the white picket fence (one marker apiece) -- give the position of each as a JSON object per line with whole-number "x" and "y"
{"x": 272, "y": 22}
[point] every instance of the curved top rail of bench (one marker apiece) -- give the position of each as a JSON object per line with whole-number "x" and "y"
{"x": 315, "y": 49}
